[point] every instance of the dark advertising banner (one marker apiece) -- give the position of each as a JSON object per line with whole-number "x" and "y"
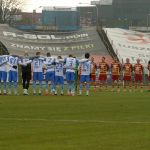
{"x": 77, "y": 43}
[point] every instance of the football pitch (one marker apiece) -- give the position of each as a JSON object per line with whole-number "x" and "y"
{"x": 101, "y": 121}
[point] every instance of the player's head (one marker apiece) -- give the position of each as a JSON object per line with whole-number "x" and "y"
{"x": 87, "y": 55}
{"x": 59, "y": 57}
{"x": 127, "y": 60}
{"x": 149, "y": 62}
{"x": 138, "y": 61}
{"x": 103, "y": 59}
{"x": 26, "y": 53}
{"x": 48, "y": 54}
{"x": 70, "y": 55}
{"x": 38, "y": 53}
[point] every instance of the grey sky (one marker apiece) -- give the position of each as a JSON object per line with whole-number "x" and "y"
{"x": 29, "y": 5}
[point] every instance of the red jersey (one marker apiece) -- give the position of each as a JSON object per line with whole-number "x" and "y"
{"x": 127, "y": 69}
{"x": 115, "y": 68}
{"x": 138, "y": 69}
{"x": 103, "y": 68}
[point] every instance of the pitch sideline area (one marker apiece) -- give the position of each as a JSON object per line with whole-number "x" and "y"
{"x": 104, "y": 120}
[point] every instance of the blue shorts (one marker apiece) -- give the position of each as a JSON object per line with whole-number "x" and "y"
{"x": 50, "y": 76}
{"x": 59, "y": 80}
{"x": 85, "y": 78}
{"x": 37, "y": 76}
{"x": 13, "y": 76}
{"x": 3, "y": 76}
{"x": 70, "y": 76}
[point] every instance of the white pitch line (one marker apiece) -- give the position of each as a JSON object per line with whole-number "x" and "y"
{"x": 76, "y": 121}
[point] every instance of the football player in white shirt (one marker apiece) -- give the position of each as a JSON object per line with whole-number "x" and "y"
{"x": 59, "y": 74}
{"x": 3, "y": 73}
{"x": 50, "y": 73}
{"x": 71, "y": 66}
{"x": 37, "y": 66}
{"x": 85, "y": 73}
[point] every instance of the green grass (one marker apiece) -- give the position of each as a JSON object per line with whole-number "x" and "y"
{"x": 102, "y": 121}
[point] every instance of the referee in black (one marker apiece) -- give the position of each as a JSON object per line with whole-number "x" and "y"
{"x": 26, "y": 74}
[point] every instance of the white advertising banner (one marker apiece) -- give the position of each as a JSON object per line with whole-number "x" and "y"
{"x": 129, "y": 44}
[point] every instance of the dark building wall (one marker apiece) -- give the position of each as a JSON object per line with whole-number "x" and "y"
{"x": 132, "y": 11}
{"x": 124, "y": 13}
{"x": 87, "y": 15}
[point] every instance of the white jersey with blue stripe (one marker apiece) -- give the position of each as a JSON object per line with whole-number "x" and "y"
{"x": 49, "y": 64}
{"x": 86, "y": 68}
{"x": 13, "y": 61}
{"x": 59, "y": 69}
{"x": 3, "y": 61}
{"x": 71, "y": 64}
{"x": 37, "y": 65}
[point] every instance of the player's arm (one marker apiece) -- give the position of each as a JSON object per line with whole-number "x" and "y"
{"x": 20, "y": 62}
{"x": 61, "y": 60}
{"x": 83, "y": 60}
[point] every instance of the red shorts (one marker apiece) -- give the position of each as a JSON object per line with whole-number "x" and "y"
{"x": 102, "y": 77}
{"x": 115, "y": 77}
{"x": 93, "y": 77}
{"x": 127, "y": 78}
{"x": 149, "y": 78}
{"x": 138, "y": 77}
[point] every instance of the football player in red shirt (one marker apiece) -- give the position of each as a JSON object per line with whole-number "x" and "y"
{"x": 104, "y": 67}
{"x": 127, "y": 74}
{"x": 115, "y": 70}
{"x": 138, "y": 70}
